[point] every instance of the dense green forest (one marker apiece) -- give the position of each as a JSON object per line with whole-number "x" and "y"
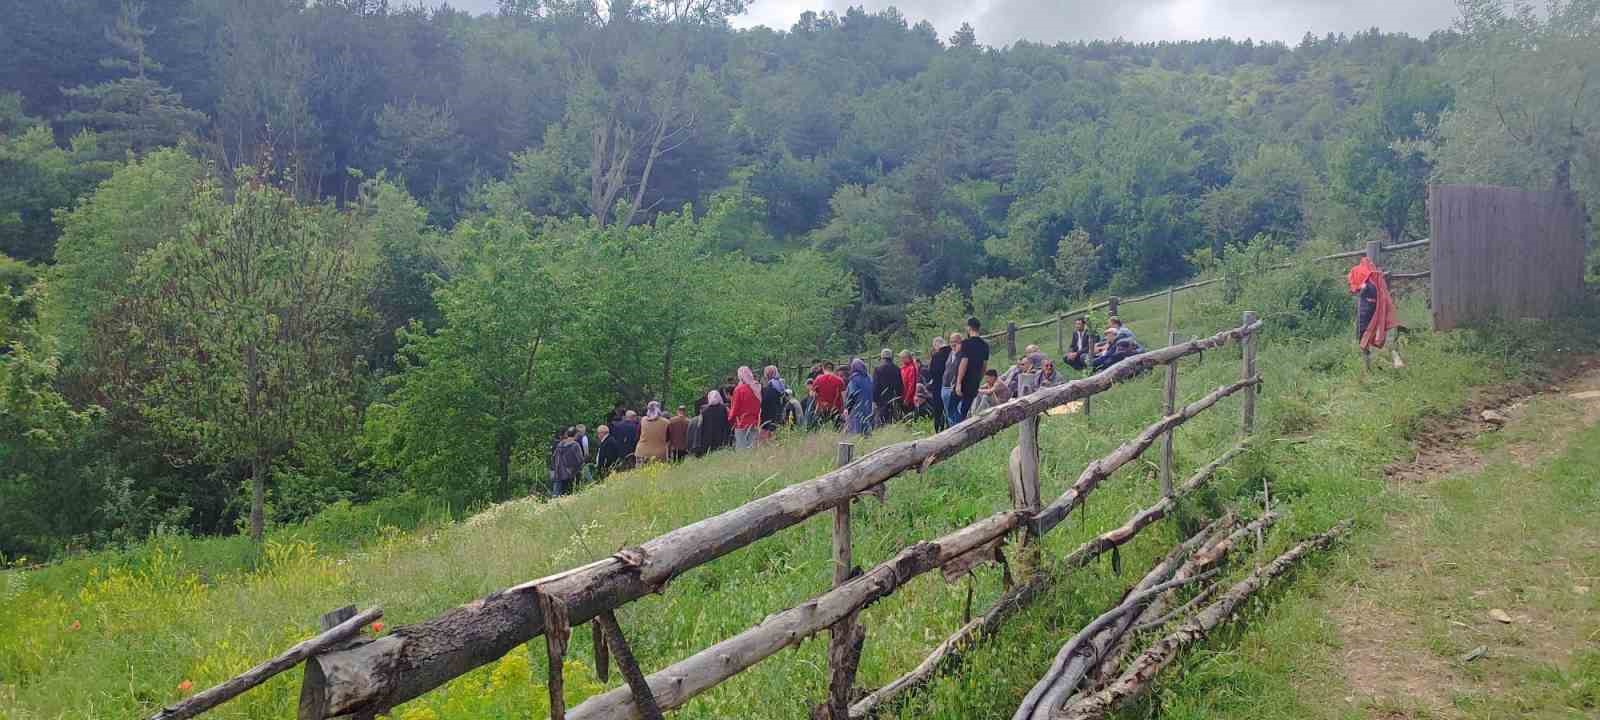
{"x": 263, "y": 256}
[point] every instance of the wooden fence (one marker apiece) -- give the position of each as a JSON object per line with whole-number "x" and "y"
{"x": 1503, "y": 253}
{"x": 351, "y": 675}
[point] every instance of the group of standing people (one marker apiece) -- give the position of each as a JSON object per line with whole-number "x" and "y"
{"x": 956, "y": 382}
{"x": 742, "y": 413}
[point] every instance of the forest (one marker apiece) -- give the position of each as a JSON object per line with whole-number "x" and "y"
{"x": 259, "y": 258}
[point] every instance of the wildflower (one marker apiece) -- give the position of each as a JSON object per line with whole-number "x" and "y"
{"x": 75, "y": 626}
{"x": 186, "y": 686}
{"x": 377, "y": 626}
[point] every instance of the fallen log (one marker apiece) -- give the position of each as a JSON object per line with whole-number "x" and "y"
{"x": 949, "y": 651}
{"x": 212, "y": 697}
{"x": 417, "y": 658}
{"x": 1143, "y": 670}
{"x": 1209, "y": 554}
{"x": 1071, "y": 666}
{"x": 1102, "y": 468}
{"x": 675, "y": 685}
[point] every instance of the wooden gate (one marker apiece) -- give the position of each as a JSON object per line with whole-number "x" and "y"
{"x": 1503, "y": 253}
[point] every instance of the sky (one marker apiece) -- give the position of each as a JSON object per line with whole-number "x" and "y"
{"x": 1001, "y": 22}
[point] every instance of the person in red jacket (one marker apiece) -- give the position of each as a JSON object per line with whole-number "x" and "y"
{"x": 909, "y": 374}
{"x": 830, "y": 395}
{"x": 745, "y": 413}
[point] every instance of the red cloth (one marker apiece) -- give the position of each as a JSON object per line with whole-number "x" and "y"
{"x": 830, "y": 391}
{"x": 908, "y": 384}
{"x": 745, "y": 413}
{"x": 1384, "y": 316}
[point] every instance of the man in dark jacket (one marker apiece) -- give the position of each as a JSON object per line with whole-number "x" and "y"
{"x": 1080, "y": 349}
{"x": 628, "y": 432}
{"x": 887, "y": 388}
{"x": 935, "y": 379}
{"x": 610, "y": 452}
{"x": 566, "y": 464}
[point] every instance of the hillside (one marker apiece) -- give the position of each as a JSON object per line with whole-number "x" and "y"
{"x": 118, "y": 633}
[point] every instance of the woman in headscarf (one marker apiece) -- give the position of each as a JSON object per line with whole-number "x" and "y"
{"x": 715, "y": 432}
{"x": 774, "y": 400}
{"x": 1375, "y": 311}
{"x": 937, "y": 362}
{"x": 745, "y": 413}
{"x": 858, "y": 399}
{"x": 652, "y": 435}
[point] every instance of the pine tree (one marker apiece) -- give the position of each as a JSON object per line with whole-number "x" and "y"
{"x": 137, "y": 112}
{"x": 965, "y": 37}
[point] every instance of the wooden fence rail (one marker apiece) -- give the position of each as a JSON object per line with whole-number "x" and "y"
{"x": 375, "y": 676}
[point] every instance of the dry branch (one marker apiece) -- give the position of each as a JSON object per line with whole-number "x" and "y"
{"x": 212, "y": 697}
{"x": 1142, "y": 672}
{"x": 417, "y": 658}
{"x": 1071, "y": 666}
{"x": 1101, "y": 469}
{"x": 1210, "y": 553}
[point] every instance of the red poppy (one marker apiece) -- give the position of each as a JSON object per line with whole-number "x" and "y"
{"x": 185, "y": 686}
{"x": 377, "y": 627}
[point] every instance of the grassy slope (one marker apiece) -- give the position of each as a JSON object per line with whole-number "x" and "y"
{"x": 114, "y": 635}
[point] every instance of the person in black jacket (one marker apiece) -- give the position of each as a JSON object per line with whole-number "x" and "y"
{"x": 566, "y": 464}
{"x": 774, "y": 399}
{"x": 935, "y": 378}
{"x": 886, "y": 387}
{"x": 716, "y": 431}
{"x": 610, "y": 453}
{"x": 1080, "y": 349}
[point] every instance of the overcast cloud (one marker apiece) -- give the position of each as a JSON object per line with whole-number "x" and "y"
{"x": 1000, "y": 22}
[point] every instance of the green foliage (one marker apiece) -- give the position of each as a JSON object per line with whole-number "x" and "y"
{"x": 37, "y": 177}
{"x": 1371, "y": 172}
{"x": 250, "y": 313}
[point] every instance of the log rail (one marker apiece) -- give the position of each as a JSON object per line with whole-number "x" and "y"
{"x": 376, "y": 676}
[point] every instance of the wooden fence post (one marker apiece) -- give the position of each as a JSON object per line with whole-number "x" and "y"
{"x": 845, "y": 637}
{"x": 1247, "y": 369}
{"x": 1011, "y": 341}
{"x": 1025, "y": 488}
{"x": 1168, "y": 405}
{"x": 1170, "y": 293}
{"x": 1061, "y": 335}
{"x": 1111, "y": 305}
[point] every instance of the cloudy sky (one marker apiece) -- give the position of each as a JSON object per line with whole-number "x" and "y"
{"x": 1004, "y": 21}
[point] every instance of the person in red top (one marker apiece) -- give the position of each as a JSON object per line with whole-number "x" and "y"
{"x": 1375, "y": 311}
{"x": 830, "y": 395}
{"x": 745, "y": 413}
{"x": 909, "y": 373}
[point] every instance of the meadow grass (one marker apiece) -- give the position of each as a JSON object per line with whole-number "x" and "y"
{"x": 116, "y": 633}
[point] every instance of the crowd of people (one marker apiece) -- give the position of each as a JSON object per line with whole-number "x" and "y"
{"x": 956, "y": 382}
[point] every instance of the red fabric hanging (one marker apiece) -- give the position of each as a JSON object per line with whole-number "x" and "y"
{"x": 1384, "y": 316}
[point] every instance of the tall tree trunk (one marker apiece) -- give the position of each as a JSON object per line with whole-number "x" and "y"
{"x": 502, "y": 452}
{"x": 260, "y": 461}
{"x": 260, "y": 465}
{"x": 666, "y": 368}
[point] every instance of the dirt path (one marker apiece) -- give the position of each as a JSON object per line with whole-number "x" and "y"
{"x": 1416, "y": 628}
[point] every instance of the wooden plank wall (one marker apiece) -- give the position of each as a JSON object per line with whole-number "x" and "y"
{"x": 1503, "y": 253}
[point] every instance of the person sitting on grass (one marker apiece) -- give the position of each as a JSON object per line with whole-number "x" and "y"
{"x": 1117, "y": 349}
{"x": 991, "y": 393}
